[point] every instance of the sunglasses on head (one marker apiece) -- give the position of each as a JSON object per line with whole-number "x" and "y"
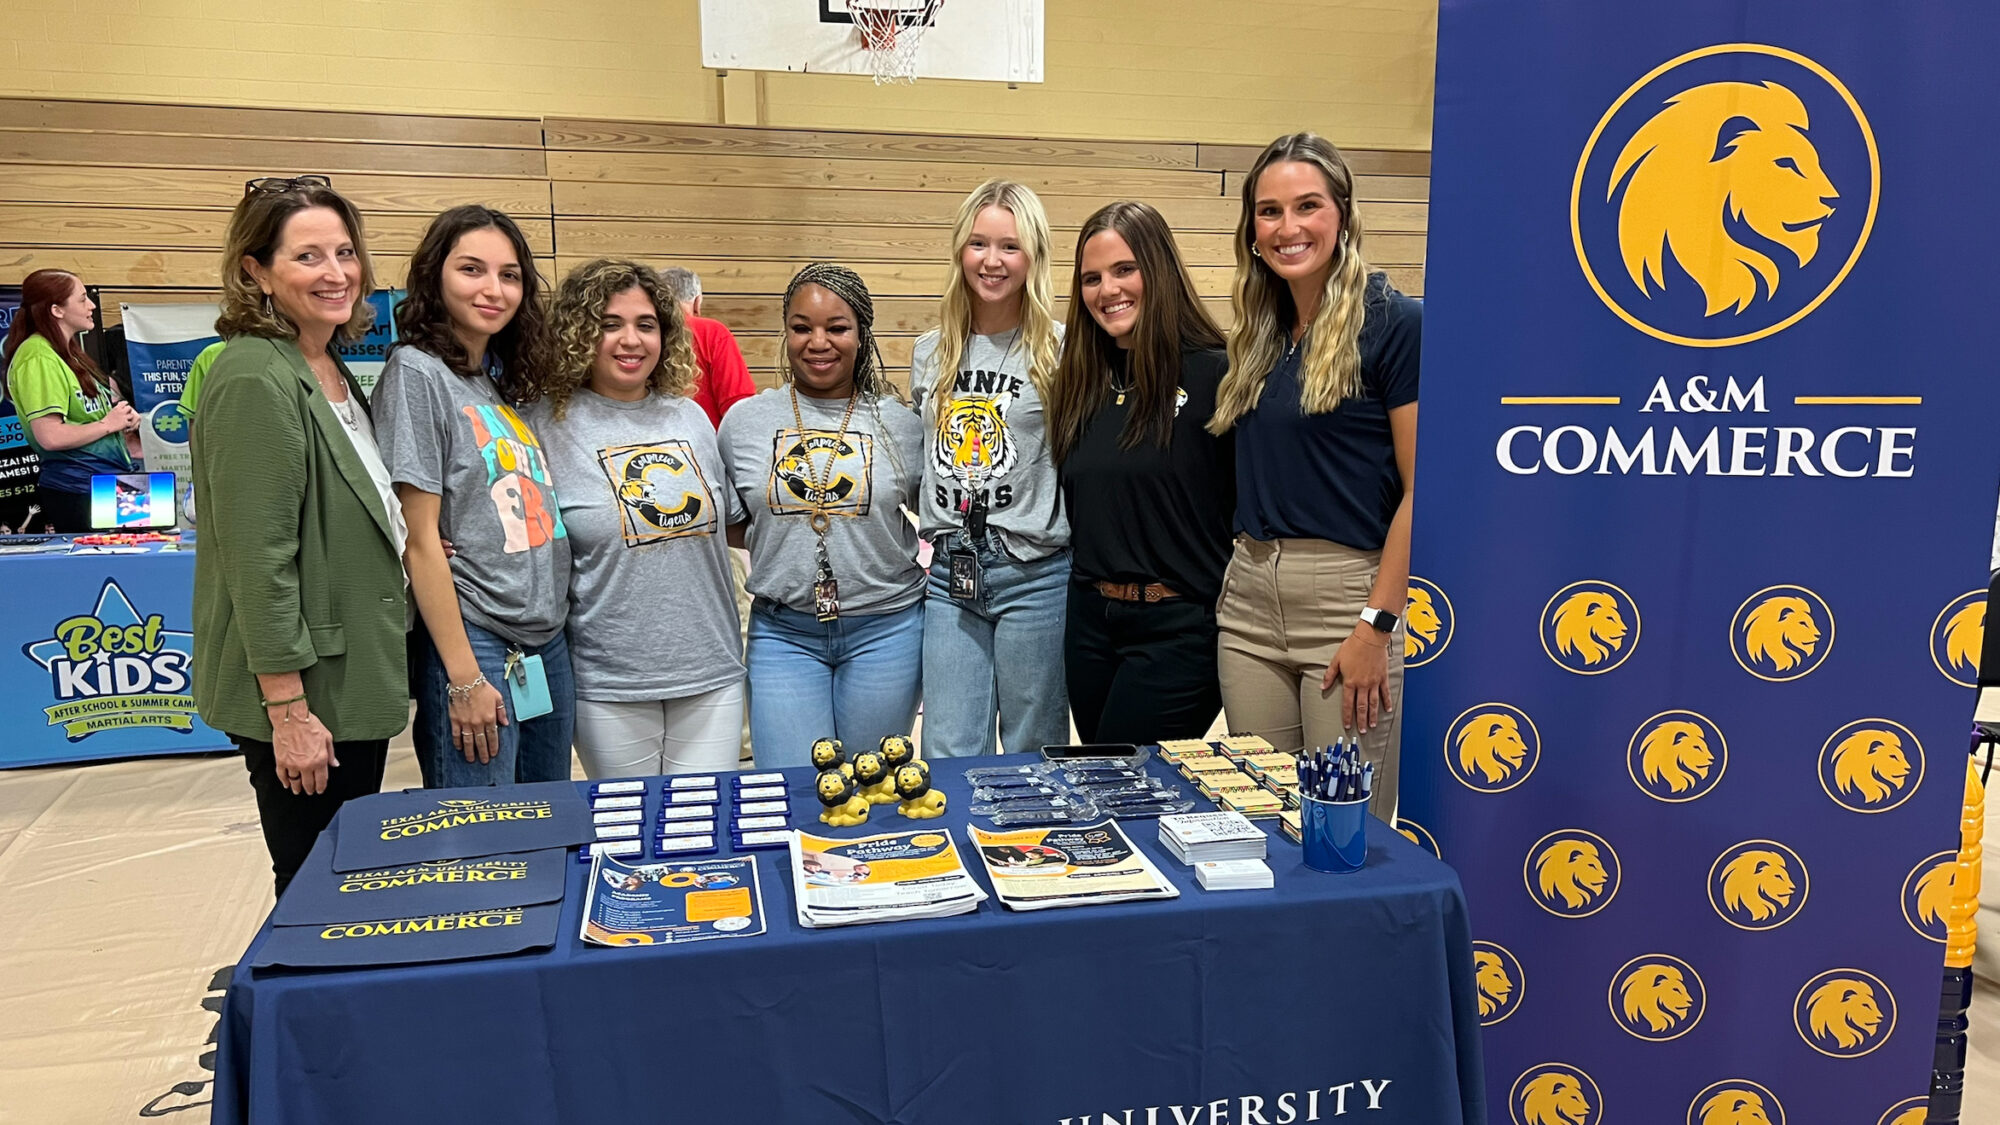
{"x": 278, "y": 185}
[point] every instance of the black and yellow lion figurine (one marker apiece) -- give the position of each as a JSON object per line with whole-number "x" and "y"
{"x": 873, "y": 775}
{"x": 828, "y": 754}
{"x": 913, "y": 786}
{"x": 845, "y": 805}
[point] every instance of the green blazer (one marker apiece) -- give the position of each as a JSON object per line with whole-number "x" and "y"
{"x": 295, "y": 566}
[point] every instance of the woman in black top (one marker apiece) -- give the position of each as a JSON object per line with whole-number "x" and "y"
{"x": 1149, "y": 490}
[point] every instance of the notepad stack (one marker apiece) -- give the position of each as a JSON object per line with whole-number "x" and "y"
{"x": 1233, "y": 875}
{"x": 1196, "y": 838}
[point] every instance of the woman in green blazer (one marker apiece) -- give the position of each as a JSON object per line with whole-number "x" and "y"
{"x": 299, "y": 600}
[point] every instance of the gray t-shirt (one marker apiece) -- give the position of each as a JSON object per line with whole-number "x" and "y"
{"x": 456, "y": 437}
{"x": 652, "y": 605}
{"x": 995, "y": 437}
{"x": 871, "y": 543}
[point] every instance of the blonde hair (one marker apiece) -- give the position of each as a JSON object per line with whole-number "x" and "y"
{"x": 256, "y": 229}
{"x": 1331, "y": 371}
{"x": 1038, "y": 306}
{"x": 577, "y": 323}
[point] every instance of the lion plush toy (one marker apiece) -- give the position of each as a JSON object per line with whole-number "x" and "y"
{"x": 920, "y": 801}
{"x": 845, "y": 805}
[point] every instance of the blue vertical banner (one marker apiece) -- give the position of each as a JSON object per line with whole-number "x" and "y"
{"x": 1700, "y": 555}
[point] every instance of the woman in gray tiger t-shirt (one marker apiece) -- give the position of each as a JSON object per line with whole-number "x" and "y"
{"x": 826, "y": 467}
{"x": 653, "y": 631}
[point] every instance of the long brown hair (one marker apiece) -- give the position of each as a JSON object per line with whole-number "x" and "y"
{"x": 423, "y": 321}
{"x": 1171, "y": 319}
{"x": 41, "y": 292}
{"x": 256, "y": 228}
{"x": 1331, "y": 370}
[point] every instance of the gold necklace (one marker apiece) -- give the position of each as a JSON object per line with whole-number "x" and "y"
{"x": 819, "y": 480}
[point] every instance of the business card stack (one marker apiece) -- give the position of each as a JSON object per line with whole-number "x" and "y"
{"x": 1233, "y": 875}
{"x": 1197, "y": 838}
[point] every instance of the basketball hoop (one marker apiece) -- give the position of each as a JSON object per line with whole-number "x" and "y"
{"x": 891, "y": 32}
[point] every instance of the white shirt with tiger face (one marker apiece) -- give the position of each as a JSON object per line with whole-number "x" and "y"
{"x": 994, "y": 438}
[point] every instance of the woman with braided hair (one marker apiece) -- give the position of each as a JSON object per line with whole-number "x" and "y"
{"x": 827, "y": 468}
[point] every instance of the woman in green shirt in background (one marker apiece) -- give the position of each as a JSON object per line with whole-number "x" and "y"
{"x": 70, "y": 411}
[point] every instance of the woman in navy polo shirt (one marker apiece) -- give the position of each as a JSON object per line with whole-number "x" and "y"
{"x": 1322, "y": 394}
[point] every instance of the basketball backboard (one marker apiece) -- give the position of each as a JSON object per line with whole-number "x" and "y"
{"x": 982, "y": 40}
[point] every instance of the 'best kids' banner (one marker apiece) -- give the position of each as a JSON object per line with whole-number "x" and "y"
{"x": 1708, "y": 469}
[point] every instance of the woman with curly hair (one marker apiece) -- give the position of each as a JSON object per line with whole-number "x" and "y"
{"x": 469, "y": 471}
{"x": 653, "y": 630}
{"x": 826, "y": 468}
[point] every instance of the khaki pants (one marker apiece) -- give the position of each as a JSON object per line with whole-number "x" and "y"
{"x": 1286, "y": 607}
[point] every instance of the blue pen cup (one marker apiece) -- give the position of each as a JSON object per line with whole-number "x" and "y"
{"x": 1334, "y": 834}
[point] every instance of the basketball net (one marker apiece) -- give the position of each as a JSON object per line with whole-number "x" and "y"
{"x": 891, "y": 32}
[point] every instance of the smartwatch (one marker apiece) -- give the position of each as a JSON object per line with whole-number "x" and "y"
{"x": 1380, "y": 619}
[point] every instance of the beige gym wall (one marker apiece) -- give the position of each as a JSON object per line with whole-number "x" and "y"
{"x": 1236, "y": 71}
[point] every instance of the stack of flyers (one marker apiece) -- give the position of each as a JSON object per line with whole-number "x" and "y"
{"x": 880, "y": 879}
{"x": 1073, "y": 865}
{"x": 665, "y": 903}
{"x": 1199, "y": 837}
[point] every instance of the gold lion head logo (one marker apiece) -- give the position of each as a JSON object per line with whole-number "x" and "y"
{"x": 1421, "y": 623}
{"x": 1589, "y": 625}
{"x": 1758, "y": 883}
{"x": 1656, "y": 994}
{"x": 1721, "y": 152}
{"x": 1872, "y": 763}
{"x": 1963, "y": 635}
{"x": 1495, "y": 986}
{"x": 1781, "y": 630}
{"x": 1573, "y": 870}
{"x": 1915, "y": 1115}
{"x": 1934, "y": 889}
{"x": 1491, "y": 743}
{"x": 1844, "y": 1010}
{"x": 1555, "y": 1099}
{"x": 1676, "y": 752}
{"x": 1735, "y": 1107}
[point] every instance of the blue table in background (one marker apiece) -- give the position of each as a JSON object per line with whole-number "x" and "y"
{"x": 96, "y": 648}
{"x": 1238, "y": 1007}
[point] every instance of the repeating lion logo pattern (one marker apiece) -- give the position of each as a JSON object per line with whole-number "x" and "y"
{"x": 1957, "y": 636}
{"x": 1782, "y": 633}
{"x": 1572, "y": 873}
{"x": 1909, "y": 1111}
{"x": 1677, "y": 756}
{"x": 1736, "y": 1102}
{"x": 1419, "y": 835}
{"x": 1427, "y": 623}
{"x": 1927, "y": 895}
{"x": 1492, "y": 747}
{"x": 1657, "y": 997}
{"x": 1590, "y": 627}
{"x": 1871, "y": 765}
{"x": 974, "y": 441}
{"x": 1845, "y": 1013}
{"x": 1556, "y": 1094}
{"x": 1497, "y": 975}
{"x": 1716, "y": 153}
{"x": 1758, "y": 885}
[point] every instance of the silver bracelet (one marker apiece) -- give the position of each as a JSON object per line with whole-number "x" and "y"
{"x": 461, "y": 692}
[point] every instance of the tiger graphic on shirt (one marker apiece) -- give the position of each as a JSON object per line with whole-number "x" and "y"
{"x": 799, "y": 458}
{"x": 973, "y": 445}
{"x": 661, "y": 491}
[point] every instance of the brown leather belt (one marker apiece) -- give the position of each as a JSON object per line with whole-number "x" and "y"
{"x": 1136, "y": 591}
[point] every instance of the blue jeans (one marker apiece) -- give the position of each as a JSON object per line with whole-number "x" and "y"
{"x": 999, "y": 655}
{"x": 856, "y": 678}
{"x": 537, "y": 750}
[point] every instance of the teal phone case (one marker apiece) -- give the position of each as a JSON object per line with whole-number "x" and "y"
{"x": 529, "y": 685}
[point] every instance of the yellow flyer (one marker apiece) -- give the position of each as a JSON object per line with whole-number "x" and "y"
{"x": 880, "y": 878}
{"x": 1040, "y": 868}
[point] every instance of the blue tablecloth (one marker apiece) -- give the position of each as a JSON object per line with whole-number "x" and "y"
{"x": 1239, "y": 1008}
{"x": 97, "y": 648}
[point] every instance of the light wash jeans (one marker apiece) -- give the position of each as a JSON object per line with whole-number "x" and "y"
{"x": 999, "y": 655}
{"x": 537, "y": 750}
{"x": 856, "y": 678}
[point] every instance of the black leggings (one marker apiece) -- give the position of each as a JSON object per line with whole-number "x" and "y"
{"x": 1139, "y": 672}
{"x": 293, "y": 821}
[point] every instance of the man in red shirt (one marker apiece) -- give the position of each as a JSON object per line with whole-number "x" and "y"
{"x": 723, "y": 378}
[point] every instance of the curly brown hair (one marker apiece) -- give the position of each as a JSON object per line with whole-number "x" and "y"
{"x": 256, "y": 229}
{"x": 423, "y": 321}
{"x": 578, "y": 326}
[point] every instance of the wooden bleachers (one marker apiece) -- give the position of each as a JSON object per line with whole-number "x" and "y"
{"x": 134, "y": 198}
